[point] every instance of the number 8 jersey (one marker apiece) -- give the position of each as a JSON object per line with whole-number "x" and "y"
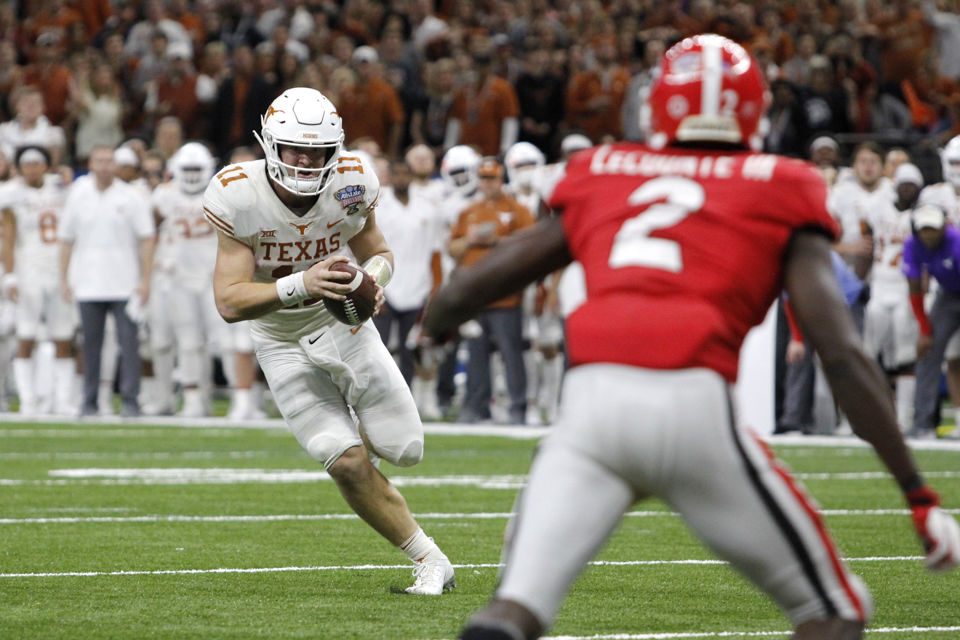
{"x": 37, "y": 213}
{"x": 682, "y": 250}
{"x": 240, "y": 202}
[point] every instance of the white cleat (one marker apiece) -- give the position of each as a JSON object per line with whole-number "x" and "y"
{"x": 434, "y": 576}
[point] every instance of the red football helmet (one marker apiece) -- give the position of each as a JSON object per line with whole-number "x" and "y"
{"x": 709, "y": 89}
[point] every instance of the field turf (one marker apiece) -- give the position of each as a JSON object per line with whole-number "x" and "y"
{"x": 139, "y": 531}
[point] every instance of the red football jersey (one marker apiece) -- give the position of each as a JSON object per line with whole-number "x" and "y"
{"x": 682, "y": 249}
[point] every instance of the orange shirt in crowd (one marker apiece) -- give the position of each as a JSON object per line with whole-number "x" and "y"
{"x": 587, "y": 85}
{"x": 904, "y": 42}
{"x": 371, "y": 111}
{"x": 481, "y": 113}
{"x": 55, "y": 84}
{"x": 180, "y": 99}
{"x": 504, "y": 216}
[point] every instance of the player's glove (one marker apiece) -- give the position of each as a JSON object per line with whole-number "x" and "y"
{"x": 938, "y": 530}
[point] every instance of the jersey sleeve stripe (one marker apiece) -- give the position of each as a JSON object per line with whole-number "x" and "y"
{"x": 217, "y": 222}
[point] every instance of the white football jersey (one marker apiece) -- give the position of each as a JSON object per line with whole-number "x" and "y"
{"x": 240, "y": 202}
{"x": 887, "y": 281}
{"x": 944, "y": 195}
{"x": 37, "y": 213}
{"x": 187, "y": 243}
{"x": 856, "y": 208}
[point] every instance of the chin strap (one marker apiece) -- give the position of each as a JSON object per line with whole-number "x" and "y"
{"x": 379, "y": 269}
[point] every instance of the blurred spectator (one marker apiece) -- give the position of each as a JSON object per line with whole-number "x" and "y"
{"x": 825, "y": 105}
{"x": 892, "y": 160}
{"x": 479, "y": 227}
{"x": 174, "y": 92}
{"x": 31, "y": 127}
{"x": 428, "y": 122}
{"x": 788, "y": 122}
{"x": 51, "y": 76}
{"x": 413, "y": 230}
{"x": 540, "y": 95}
{"x": 107, "y": 250}
{"x": 485, "y": 111}
{"x": 635, "y": 116}
{"x": 11, "y": 76}
{"x": 156, "y": 19}
{"x": 860, "y": 206}
{"x": 797, "y": 68}
{"x": 168, "y": 136}
{"x": 873, "y": 111}
{"x": 99, "y": 110}
{"x": 242, "y": 98}
{"x": 595, "y": 96}
{"x": 944, "y": 15}
{"x": 373, "y": 104}
{"x": 180, "y": 11}
{"x": 825, "y": 154}
{"x": 905, "y": 35}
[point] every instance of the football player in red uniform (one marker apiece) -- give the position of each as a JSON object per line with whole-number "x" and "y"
{"x": 685, "y": 244}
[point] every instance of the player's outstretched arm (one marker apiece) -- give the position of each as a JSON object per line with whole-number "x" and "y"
{"x": 516, "y": 261}
{"x": 861, "y": 389}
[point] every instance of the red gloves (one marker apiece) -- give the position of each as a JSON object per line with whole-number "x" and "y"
{"x": 937, "y": 529}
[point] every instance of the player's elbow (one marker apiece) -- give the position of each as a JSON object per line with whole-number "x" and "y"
{"x": 229, "y": 313}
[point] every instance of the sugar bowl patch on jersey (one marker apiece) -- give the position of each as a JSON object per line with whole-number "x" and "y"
{"x": 350, "y": 198}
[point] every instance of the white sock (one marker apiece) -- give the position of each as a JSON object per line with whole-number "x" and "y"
{"x": 419, "y": 546}
{"x": 905, "y": 388}
{"x": 23, "y": 376}
{"x": 63, "y": 377}
{"x": 163, "y": 376}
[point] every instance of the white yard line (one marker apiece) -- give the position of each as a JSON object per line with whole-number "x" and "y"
{"x": 287, "y": 517}
{"x": 236, "y": 475}
{"x": 739, "y": 634}
{"x": 431, "y": 428}
{"x": 378, "y": 567}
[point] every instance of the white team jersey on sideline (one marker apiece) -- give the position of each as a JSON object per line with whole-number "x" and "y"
{"x": 853, "y": 206}
{"x": 887, "y": 282}
{"x": 188, "y": 242}
{"x": 37, "y": 213}
{"x": 414, "y": 234}
{"x": 240, "y": 202}
{"x": 944, "y": 195}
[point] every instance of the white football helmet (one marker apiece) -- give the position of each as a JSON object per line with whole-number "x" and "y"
{"x": 523, "y": 161}
{"x": 459, "y": 169}
{"x": 305, "y": 119}
{"x": 191, "y": 167}
{"x": 950, "y": 161}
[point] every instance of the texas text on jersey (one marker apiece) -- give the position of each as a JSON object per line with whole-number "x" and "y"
{"x": 240, "y": 202}
{"x": 681, "y": 247}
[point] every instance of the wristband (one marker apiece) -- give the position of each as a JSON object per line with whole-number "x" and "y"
{"x": 379, "y": 269}
{"x": 291, "y": 289}
{"x": 912, "y": 484}
{"x": 9, "y": 281}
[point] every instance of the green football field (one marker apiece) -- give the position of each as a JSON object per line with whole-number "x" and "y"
{"x": 138, "y": 531}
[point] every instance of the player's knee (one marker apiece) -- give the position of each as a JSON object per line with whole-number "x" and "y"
{"x": 352, "y": 468}
{"x": 411, "y": 454}
{"x": 323, "y": 449}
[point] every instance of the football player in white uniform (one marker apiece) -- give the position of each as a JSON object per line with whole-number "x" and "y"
{"x": 281, "y": 224}
{"x": 189, "y": 249}
{"x": 31, "y": 206}
{"x": 856, "y": 203}
{"x": 890, "y": 329}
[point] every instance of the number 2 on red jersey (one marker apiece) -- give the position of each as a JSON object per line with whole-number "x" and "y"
{"x": 664, "y": 202}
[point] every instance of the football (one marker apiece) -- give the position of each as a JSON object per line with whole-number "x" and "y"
{"x": 361, "y": 300}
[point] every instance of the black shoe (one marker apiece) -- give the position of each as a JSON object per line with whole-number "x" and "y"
{"x": 490, "y": 631}
{"x": 130, "y": 410}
